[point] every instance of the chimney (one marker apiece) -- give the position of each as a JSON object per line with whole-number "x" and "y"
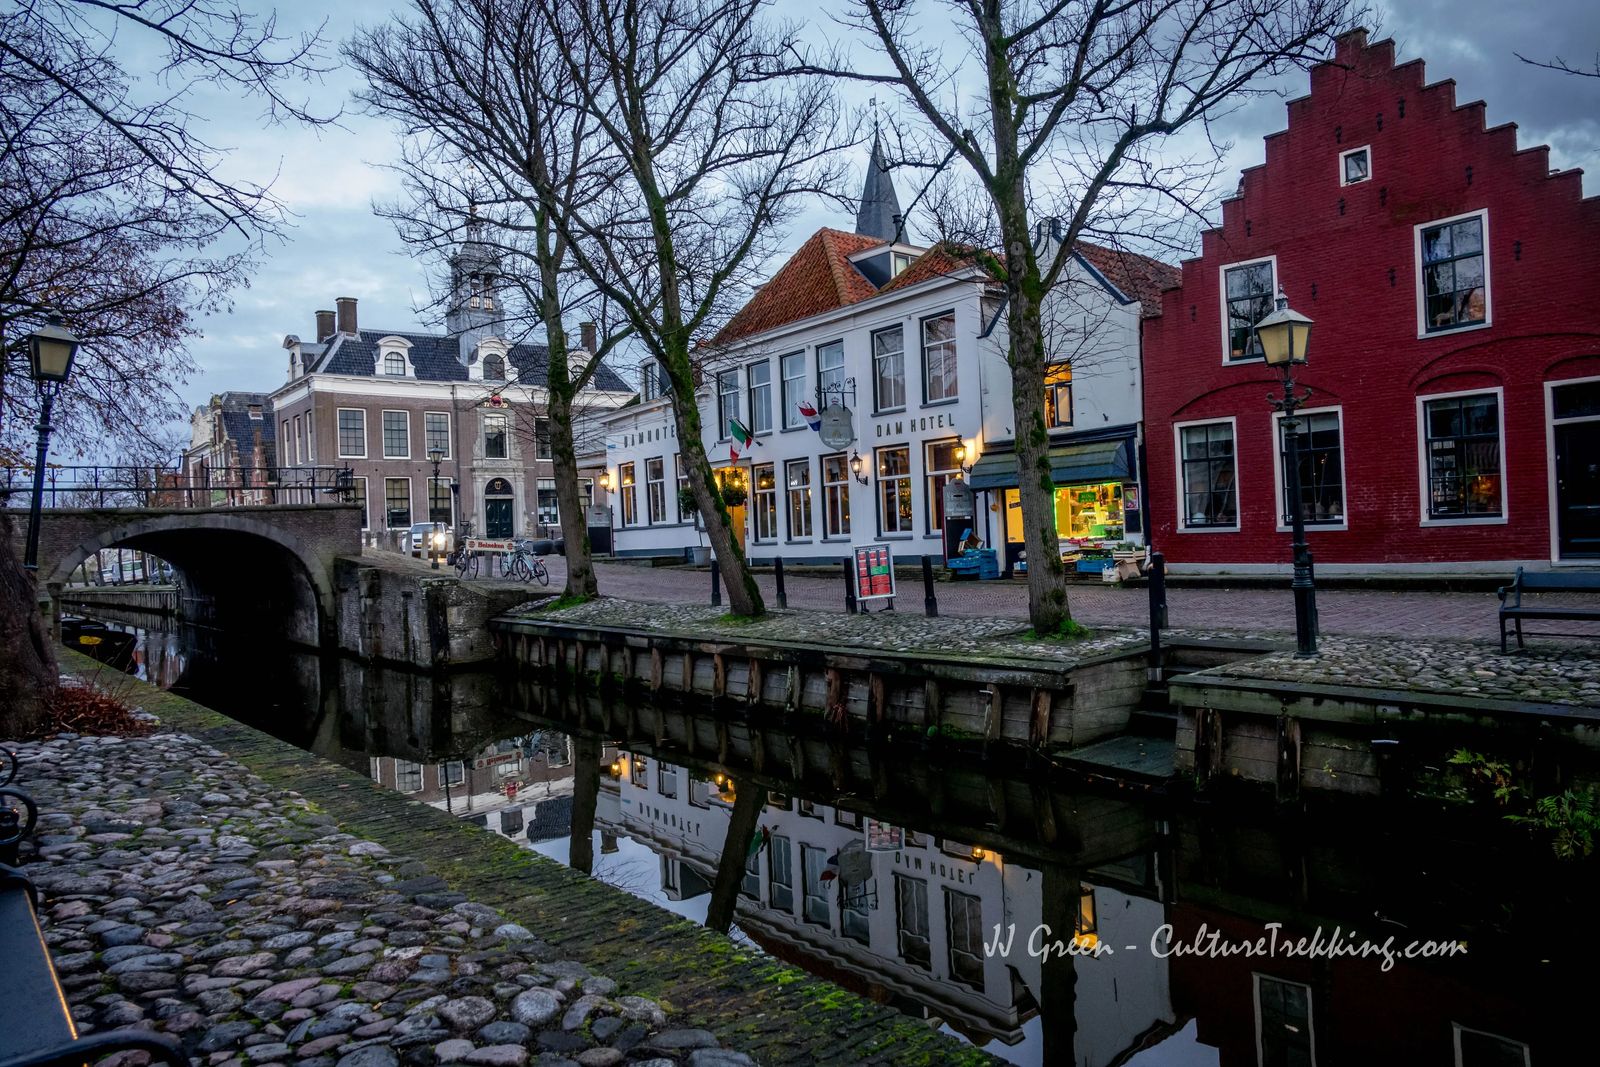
{"x": 587, "y": 332}
{"x": 347, "y": 314}
{"x": 324, "y": 326}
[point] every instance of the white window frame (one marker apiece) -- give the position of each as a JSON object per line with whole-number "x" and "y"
{"x": 421, "y": 772}
{"x": 1423, "y": 333}
{"x": 650, "y": 485}
{"x": 750, "y": 387}
{"x": 449, "y": 436}
{"x": 446, "y": 778}
{"x": 792, "y": 419}
{"x": 1423, "y": 518}
{"x": 338, "y": 433}
{"x": 1311, "y": 1013}
{"x": 1550, "y": 465}
{"x": 955, "y": 357}
{"x": 1278, "y": 475}
{"x": 789, "y": 490}
{"x": 1350, "y": 152}
{"x": 1456, "y": 1030}
{"x": 843, "y": 487}
{"x": 1222, "y": 306}
{"x": 726, "y": 414}
{"x": 1177, "y": 468}
{"x": 501, "y": 418}
{"x": 384, "y": 437}
{"x": 756, "y": 493}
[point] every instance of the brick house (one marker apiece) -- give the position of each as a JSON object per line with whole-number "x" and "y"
{"x": 232, "y": 443}
{"x": 1455, "y": 362}
{"x": 378, "y": 400}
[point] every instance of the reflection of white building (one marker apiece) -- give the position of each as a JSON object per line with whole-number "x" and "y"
{"x": 914, "y": 933}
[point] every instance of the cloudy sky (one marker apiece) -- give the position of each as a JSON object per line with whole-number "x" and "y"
{"x": 329, "y": 177}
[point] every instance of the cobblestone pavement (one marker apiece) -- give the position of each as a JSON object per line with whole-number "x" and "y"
{"x": 184, "y": 895}
{"x": 1407, "y": 613}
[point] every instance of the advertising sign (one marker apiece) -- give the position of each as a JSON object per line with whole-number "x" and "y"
{"x": 881, "y": 837}
{"x": 836, "y": 428}
{"x": 958, "y": 503}
{"x": 874, "y": 572}
{"x": 485, "y": 544}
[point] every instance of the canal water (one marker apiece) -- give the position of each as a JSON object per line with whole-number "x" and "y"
{"x": 1043, "y": 923}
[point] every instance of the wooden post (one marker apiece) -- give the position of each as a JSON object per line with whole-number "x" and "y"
{"x": 688, "y": 672}
{"x": 879, "y": 697}
{"x": 1207, "y": 745}
{"x": 1288, "y": 785}
{"x": 722, "y": 742}
{"x": 994, "y": 714}
{"x": 719, "y": 677}
{"x": 793, "y": 689}
{"x": 655, "y": 669}
{"x": 932, "y": 704}
{"x": 834, "y": 697}
{"x": 1039, "y": 725}
{"x": 753, "y": 682}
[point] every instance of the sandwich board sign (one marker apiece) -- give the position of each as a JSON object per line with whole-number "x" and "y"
{"x": 874, "y": 572}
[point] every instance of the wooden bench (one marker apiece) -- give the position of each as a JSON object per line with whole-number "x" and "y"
{"x": 36, "y": 1027}
{"x": 1513, "y": 611}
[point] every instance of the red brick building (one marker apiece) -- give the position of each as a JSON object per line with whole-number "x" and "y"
{"x": 1455, "y": 360}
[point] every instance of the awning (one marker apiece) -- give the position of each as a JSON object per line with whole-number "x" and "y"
{"x": 1080, "y": 464}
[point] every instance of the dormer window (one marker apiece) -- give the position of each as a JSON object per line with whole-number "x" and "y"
{"x": 255, "y": 411}
{"x": 494, "y": 368}
{"x": 394, "y": 363}
{"x": 902, "y": 260}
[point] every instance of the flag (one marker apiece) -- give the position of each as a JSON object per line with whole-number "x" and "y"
{"x": 808, "y": 411}
{"x": 741, "y": 436}
{"x": 757, "y": 842}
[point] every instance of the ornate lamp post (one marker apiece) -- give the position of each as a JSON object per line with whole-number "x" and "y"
{"x": 50, "y": 354}
{"x": 1285, "y": 335}
{"x": 435, "y": 456}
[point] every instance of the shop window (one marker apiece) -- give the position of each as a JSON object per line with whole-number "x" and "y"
{"x": 766, "y": 502}
{"x": 1454, "y": 282}
{"x": 889, "y": 369}
{"x": 836, "y": 495}
{"x": 1463, "y": 456}
{"x": 1478, "y": 1048}
{"x": 397, "y": 502}
{"x": 939, "y": 358}
{"x": 629, "y": 494}
{"x": 727, "y": 403}
{"x": 760, "y": 378}
{"x": 797, "y": 478}
{"x": 496, "y": 434}
{"x": 548, "y": 502}
{"x": 894, "y": 490}
{"x": 963, "y": 916}
{"x": 793, "y": 369}
{"x": 655, "y": 488}
{"x": 813, "y": 861}
{"x": 1355, "y": 166}
{"x": 1283, "y": 1023}
{"x": 1247, "y": 295}
{"x": 830, "y": 372}
{"x": 1209, "y": 472}
{"x": 780, "y": 874}
{"x": 1058, "y": 396}
{"x": 436, "y": 431}
{"x": 1320, "y": 442}
{"x": 941, "y": 466}
{"x": 911, "y": 920}
{"x": 352, "y": 433}
{"x": 1090, "y": 512}
{"x": 396, "y": 435}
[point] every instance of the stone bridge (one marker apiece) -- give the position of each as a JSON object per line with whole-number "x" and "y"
{"x": 266, "y": 567}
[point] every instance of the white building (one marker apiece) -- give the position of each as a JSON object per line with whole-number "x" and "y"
{"x": 912, "y": 342}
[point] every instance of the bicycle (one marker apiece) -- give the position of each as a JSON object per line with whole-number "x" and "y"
{"x": 465, "y": 563}
{"x": 527, "y": 567}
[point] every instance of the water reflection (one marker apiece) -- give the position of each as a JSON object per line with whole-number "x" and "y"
{"x": 893, "y": 873}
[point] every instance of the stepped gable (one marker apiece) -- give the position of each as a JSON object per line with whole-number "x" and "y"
{"x": 818, "y": 278}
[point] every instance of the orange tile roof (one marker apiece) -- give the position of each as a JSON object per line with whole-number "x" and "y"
{"x": 936, "y": 262}
{"x": 1140, "y": 277}
{"x": 818, "y": 278}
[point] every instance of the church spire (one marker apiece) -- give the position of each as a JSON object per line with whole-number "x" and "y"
{"x": 879, "y": 214}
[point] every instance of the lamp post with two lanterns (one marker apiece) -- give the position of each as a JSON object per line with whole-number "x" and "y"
{"x": 50, "y": 354}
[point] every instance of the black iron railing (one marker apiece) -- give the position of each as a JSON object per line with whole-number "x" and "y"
{"x": 170, "y": 487}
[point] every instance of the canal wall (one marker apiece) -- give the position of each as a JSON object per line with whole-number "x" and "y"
{"x": 400, "y": 611}
{"x": 155, "y": 599}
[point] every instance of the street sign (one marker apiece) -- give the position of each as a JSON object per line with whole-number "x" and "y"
{"x": 485, "y": 544}
{"x": 836, "y": 430}
{"x": 874, "y": 572}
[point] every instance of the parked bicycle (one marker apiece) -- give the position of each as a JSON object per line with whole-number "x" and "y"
{"x": 527, "y": 567}
{"x": 465, "y": 563}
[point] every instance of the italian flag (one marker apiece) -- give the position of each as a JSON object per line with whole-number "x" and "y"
{"x": 741, "y": 437}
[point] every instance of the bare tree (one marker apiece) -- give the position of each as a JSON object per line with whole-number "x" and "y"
{"x": 499, "y": 153}
{"x": 716, "y": 153}
{"x": 1073, "y": 98}
{"x": 1562, "y": 66}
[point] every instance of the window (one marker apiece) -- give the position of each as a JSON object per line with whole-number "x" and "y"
{"x": 667, "y": 780}
{"x": 494, "y": 367}
{"x": 889, "y": 369}
{"x": 1478, "y": 1048}
{"x": 813, "y": 861}
{"x": 287, "y": 442}
{"x": 452, "y": 773}
{"x": 900, "y": 261}
{"x": 396, "y": 435}
{"x": 311, "y": 438}
{"x": 894, "y": 490}
{"x": 780, "y": 876}
{"x": 797, "y": 477}
{"x": 830, "y": 372}
{"x": 496, "y": 437}
{"x": 835, "y": 495}
{"x": 541, "y": 438}
{"x": 254, "y": 411}
{"x": 911, "y": 919}
{"x": 436, "y": 431}
{"x": 440, "y": 501}
{"x": 394, "y": 363}
{"x": 299, "y": 438}
{"x": 1355, "y": 165}
{"x": 397, "y": 502}
{"x": 1283, "y": 1023}
{"x": 1321, "y": 468}
{"x": 1058, "y": 395}
{"x": 407, "y": 776}
{"x": 549, "y": 506}
{"x": 1462, "y": 458}
{"x": 628, "y": 493}
{"x": 655, "y": 488}
{"x": 750, "y": 884}
{"x": 360, "y": 497}
{"x": 852, "y": 819}
{"x": 759, "y": 376}
{"x": 766, "y": 500}
{"x": 1247, "y": 294}
{"x": 939, "y": 358}
{"x": 793, "y": 369}
{"x": 1455, "y": 280}
{"x": 963, "y": 916}
{"x": 352, "y": 433}
{"x": 1207, "y": 466}
{"x": 727, "y": 403}
{"x": 639, "y": 771}
{"x": 941, "y": 466}
{"x": 684, "y": 514}
{"x": 649, "y": 379}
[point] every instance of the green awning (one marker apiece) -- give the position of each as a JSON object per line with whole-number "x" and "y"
{"x": 1081, "y": 464}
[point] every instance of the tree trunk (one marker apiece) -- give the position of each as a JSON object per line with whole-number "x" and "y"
{"x": 28, "y": 671}
{"x": 747, "y": 807}
{"x": 585, "y": 798}
{"x": 581, "y": 580}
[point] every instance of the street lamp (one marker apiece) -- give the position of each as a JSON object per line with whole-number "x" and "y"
{"x": 1285, "y": 336}
{"x": 858, "y": 467}
{"x": 605, "y": 480}
{"x": 50, "y": 354}
{"x": 435, "y": 456}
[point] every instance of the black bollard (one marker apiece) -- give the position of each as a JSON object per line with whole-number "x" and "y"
{"x": 849, "y": 588}
{"x": 777, "y": 576}
{"x": 1158, "y": 604}
{"x": 930, "y": 603}
{"x": 716, "y": 585}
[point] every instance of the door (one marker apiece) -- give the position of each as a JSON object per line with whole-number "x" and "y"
{"x": 1578, "y": 489}
{"x": 497, "y": 517}
{"x": 734, "y": 477}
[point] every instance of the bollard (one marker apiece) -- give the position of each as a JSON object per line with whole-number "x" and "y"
{"x": 716, "y": 584}
{"x": 849, "y": 588}
{"x": 930, "y": 603}
{"x": 1158, "y": 605}
{"x": 777, "y": 576}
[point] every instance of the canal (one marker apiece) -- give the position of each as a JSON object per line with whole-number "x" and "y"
{"x": 1044, "y": 923}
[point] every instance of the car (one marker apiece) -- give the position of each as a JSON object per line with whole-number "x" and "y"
{"x": 439, "y": 535}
